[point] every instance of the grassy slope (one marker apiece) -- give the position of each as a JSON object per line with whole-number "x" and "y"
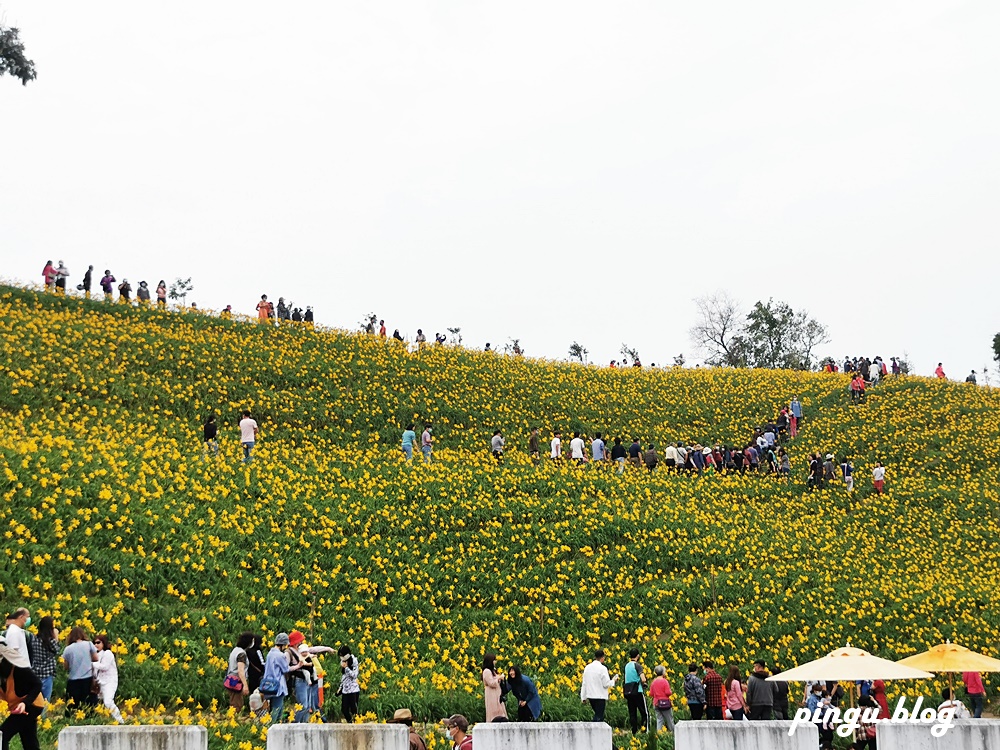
{"x": 115, "y": 522}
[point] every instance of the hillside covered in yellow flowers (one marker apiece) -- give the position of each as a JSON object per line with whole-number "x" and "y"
{"x": 115, "y": 520}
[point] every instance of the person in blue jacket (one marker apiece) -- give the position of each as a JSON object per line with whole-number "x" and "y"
{"x": 529, "y": 705}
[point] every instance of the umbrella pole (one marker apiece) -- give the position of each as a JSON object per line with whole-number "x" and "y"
{"x": 951, "y": 688}
{"x": 852, "y": 693}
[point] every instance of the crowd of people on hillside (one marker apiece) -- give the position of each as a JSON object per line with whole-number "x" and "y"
{"x": 31, "y": 662}
{"x": 54, "y": 278}
{"x": 287, "y": 683}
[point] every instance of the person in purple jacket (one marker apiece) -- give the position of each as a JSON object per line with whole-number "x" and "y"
{"x": 106, "y": 284}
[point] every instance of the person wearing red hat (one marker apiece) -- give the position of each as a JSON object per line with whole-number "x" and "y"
{"x": 301, "y": 679}
{"x": 307, "y": 680}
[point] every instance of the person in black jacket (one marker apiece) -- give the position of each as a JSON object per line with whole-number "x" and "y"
{"x": 22, "y": 692}
{"x": 211, "y": 433}
{"x": 87, "y": 281}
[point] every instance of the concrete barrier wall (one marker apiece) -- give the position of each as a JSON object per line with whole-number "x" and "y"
{"x": 966, "y": 734}
{"x": 555, "y": 735}
{"x": 338, "y": 737}
{"x": 134, "y": 738}
{"x": 744, "y": 735}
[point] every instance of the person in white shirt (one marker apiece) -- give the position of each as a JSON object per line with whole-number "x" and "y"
{"x": 596, "y": 682}
{"x": 248, "y": 435}
{"x": 961, "y": 712}
{"x": 598, "y": 448}
{"x": 576, "y": 448}
{"x": 670, "y": 456}
{"x": 557, "y": 446}
{"x": 496, "y": 445}
{"x": 17, "y": 643}
{"x": 878, "y": 477}
{"x": 106, "y": 674}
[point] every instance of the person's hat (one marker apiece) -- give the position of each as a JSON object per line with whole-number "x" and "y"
{"x": 281, "y": 639}
{"x": 457, "y": 720}
{"x": 401, "y": 715}
{"x": 295, "y": 638}
{"x": 830, "y": 456}
{"x": 706, "y": 451}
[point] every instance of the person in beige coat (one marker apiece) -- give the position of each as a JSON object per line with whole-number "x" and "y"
{"x": 491, "y": 685}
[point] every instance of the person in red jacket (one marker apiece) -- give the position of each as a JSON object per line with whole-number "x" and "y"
{"x": 940, "y": 371}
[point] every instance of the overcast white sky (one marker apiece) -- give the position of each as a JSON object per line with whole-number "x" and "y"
{"x": 553, "y": 171}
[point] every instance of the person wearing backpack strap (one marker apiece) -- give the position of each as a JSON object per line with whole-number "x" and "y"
{"x": 634, "y": 690}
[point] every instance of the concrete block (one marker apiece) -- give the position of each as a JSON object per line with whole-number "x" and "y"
{"x": 965, "y": 734}
{"x": 112, "y": 737}
{"x": 554, "y": 735}
{"x": 338, "y": 737}
{"x": 745, "y": 735}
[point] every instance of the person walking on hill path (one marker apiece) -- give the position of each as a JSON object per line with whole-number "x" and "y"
{"x": 409, "y": 438}
{"x": 878, "y": 477}
{"x": 161, "y": 294}
{"x": 248, "y": 436}
{"x": 971, "y": 378}
{"x": 496, "y": 446}
{"x": 598, "y": 448}
{"x": 618, "y": 455}
{"x": 635, "y": 692}
{"x": 125, "y": 293}
{"x": 381, "y": 329}
{"x": 939, "y": 372}
{"x": 88, "y": 280}
{"x": 556, "y": 446}
{"x": 426, "y": 443}
{"x": 493, "y": 690}
{"x": 650, "y": 458}
{"x": 596, "y": 683}
{"x": 576, "y": 449}
{"x": 308, "y": 317}
{"x": 534, "y": 449}
{"x": 847, "y": 471}
{"x": 635, "y": 453}
{"x": 143, "y": 293}
{"x": 107, "y": 282}
{"x": 796, "y": 408}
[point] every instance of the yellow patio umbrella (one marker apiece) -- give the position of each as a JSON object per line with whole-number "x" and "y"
{"x": 949, "y": 658}
{"x": 850, "y": 664}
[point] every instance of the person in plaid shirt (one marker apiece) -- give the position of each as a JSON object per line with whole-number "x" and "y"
{"x": 43, "y": 650}
{"x": 713, "y": 691}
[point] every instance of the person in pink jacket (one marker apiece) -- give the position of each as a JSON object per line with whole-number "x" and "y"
{"x": 495, "y": 709}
